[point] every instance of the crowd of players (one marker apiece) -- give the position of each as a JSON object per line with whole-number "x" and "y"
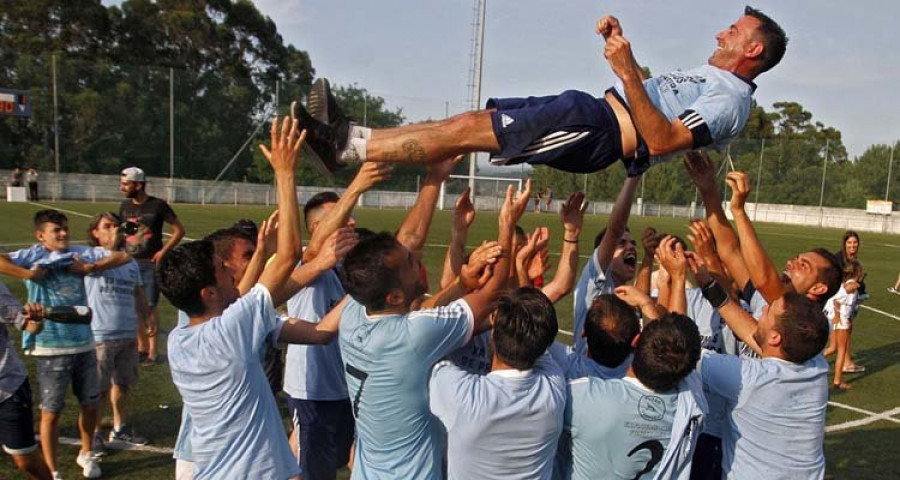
{"x": 710, "y": 367}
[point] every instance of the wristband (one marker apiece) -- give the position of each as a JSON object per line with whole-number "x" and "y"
{"x": 715, "y": 294}
{"x": 570, "y": 241}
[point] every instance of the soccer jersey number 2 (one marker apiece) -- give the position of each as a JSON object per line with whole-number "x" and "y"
{"x": 655, "y": 447}
{"x": 361, "y": 376}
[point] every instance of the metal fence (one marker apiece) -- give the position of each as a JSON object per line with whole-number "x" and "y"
{"x": 105, "y": 188}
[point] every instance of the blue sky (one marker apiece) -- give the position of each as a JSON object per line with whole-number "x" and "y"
{"x": 842, "y": 63}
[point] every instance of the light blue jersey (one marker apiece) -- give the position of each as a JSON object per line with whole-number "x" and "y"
{"x": 183, "y": 450}
{"x": 712, "y": 103}
{"x": 110, "y": 294}
{"x": 577, "y": 366}
{"x": 776, "y": 415}
{"x": 236, "y": 430}
{"x": 501, "y": 425}
{"x": 592, "y": 282}
{"x": 475, "y": 356}
{"x": 615, "y": 429}
{"x": 59, "y": 287}
{"x": 315, "y": 372}
{"x": 388, "y": 360}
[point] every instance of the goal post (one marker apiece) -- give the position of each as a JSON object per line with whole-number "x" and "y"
{"x": 487, "y": 192}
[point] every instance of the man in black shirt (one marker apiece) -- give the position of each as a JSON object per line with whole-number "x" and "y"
{"x": 146, "y": 245}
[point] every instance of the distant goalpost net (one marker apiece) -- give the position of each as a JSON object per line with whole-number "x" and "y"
{"x": 487, "y": 194}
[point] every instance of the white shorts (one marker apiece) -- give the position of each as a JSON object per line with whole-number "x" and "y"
{"x": 843, "y": 324}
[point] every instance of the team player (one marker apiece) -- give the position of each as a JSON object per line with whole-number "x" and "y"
{"x": 54, "y": 273}
{"x": 388, "y": 351}
{"x": 117, "y": 299}
{"x": 215, "y": 360}
{"x": 640, "y": 121}
{"x": 16, "y": 416}
{"x": 645, "y": 423}
{"x": 505, "y": 424}
{"x": 146, "y": 245}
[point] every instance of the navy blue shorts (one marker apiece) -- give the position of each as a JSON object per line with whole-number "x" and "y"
{"x": 16, "y": 422}
{"x": 572, "y": 131}
{"x": 325, "y": 431}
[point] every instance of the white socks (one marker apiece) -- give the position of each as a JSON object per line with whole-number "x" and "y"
{"x": 355, "y": 151}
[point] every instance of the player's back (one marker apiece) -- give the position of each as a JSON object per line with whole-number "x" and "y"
{"x": 387, "y": 361}
{"x": 619, "y": 428}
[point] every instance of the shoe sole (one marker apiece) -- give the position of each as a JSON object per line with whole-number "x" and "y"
{"x": 317, "y": 104}
{"x": 311, "y": 155}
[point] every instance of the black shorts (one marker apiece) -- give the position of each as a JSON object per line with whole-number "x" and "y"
{"x": 572, "y": 131}
{"x": 16, "y": 424}
{"x": 325, "y": 431}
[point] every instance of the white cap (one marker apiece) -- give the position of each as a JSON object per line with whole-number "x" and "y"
{"x": 133, "y": 174}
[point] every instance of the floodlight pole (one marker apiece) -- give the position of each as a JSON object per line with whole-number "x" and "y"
{"x": 762, "y": 148}
{"x": 55, "y": 127}
{"x": 822, "y": 190}
{"x": 171, "y": 134}
{"x": 476, "y": 97}
{"x": 887, "y": 188}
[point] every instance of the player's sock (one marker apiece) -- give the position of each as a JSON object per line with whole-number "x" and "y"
{"x": 359, "y": 132}
{"x": 355, "y": 151}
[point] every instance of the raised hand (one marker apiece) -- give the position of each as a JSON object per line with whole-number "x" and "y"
{"x": 371, "y": 174}
{"x": 740, "y": 189}
{"x": 267, "y": 238}
{"x": 572, "y": 215}
{"x": 477, "y": 272}
{"x": 633, "y": 296}
{"x": 444, "y": 168}
{"x": 701, "y": 237}
{"x": 512, "y": 210}
{"x": 701, "y": 170}
{"x": 698, "y": 267}
{"x": 464, "y": 214}
{"x": 608, "y": 26}
{"x": 337, "y": 245}
{"x": 286, "y": 142}
{"x": 671, "y": 256}
{"x": 650, "y": 241}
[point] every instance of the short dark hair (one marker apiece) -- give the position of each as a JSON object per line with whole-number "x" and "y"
{"x": 520, "y": 233}
{"x": 830, "y": 275}
{"x": 184, "y": 271}
{"x": 524, "y": 327}
{"x": 365, "y": 275}
{"x": 667, "y": 351}
{"x": 599, "y": 237}
{"x": 317, "y": 201}
{"x": 49, "y": 216}
{"x": 773, "y": 37}
{"x": 247, "y": 226}
{"x": 224, "y": 238}
{"x": 803, "y": 326}
{"x": 111, "y": 216}
{"x": 610, "y": 327}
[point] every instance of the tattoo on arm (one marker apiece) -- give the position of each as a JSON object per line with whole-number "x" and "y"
{"x": 414, "y": 151}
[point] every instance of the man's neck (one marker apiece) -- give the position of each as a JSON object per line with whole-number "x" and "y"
{"x": 139, "y": 198}
{"x": 498, "y": 364}
{"x": 200, "y": 319}
{"x": 398, "y": 310}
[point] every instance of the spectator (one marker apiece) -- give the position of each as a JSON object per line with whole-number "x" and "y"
{"x": 146, "y": 246}
{"x": 15, "y": 178}
{"x": 32, "y": 178}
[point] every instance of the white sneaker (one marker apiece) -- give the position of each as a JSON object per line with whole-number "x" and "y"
{"x": 90, "y": 468}
{"x": 893, "y": 290}
{"x": 57, "y": 476}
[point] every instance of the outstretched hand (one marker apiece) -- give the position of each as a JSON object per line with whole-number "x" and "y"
{"x": 740, "y": 189}
{"x": 650, "y": 241}
{"x": 671, "y": 256}
{"x": 572, "y": 214}
{"x": 267, "y": 238}
{"x": 633, "y": 296}
{"x": 371, "y": 174}
{"x": 608, "y": 26}
{"x": 464, "y": 214}
{"x": 444, "y": 168}
{"x": 286, "y": 141}
{"x": 512, "y": 210}
{"x": 477, "y": 272}
{"x": 337, "y": 245}
{"x": 701, "y": 169}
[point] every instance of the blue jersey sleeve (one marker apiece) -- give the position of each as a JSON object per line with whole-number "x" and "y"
{"x": 447, "y": 390}
{"x": 439, "y": 331}
{"x": 246, "y": 325}
{"x": 722, "y": 374}
{"x": 713, "y": 117}
{"x": 24, "y": 258}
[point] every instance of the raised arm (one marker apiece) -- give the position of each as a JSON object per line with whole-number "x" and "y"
{"x": 265, "y": 247}
{"x": 703, "y": 174}
{"x": 113, "y": 260}
{"x": 650, "y": 241}
{"x": 482, "y": 301}
{"x": 369, "y": 175}
{"x": 286, "y": 142}
{"x": 762, "y": 271}
{"x": 472, "y": 276}
{"x": 7, "y": 267}
{"x": 414, "y": 229}
{"x": 300, "y": 331}
{"x": 572, "y": 216}
{"x": 672, "y": 258}
{"x": 463, "y": 216}
{"x": 661, "y": 135}
{"x": 618, "y": 221}
{"x": 335, "y": 248}
{"x": 639, "y": 301}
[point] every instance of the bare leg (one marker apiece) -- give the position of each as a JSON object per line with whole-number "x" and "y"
{"x": 32, "y": 465}
{"x": 841, "y": 342}
{"x": 153, "y": 329}
{"x": 435, "y": 141}
{"x": 118, "y": 395}
{"x": 49, "y": 437}
{"x": 87, "y": 420}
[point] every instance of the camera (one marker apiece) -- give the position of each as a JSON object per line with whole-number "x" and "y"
{"x": 129, "y": 228}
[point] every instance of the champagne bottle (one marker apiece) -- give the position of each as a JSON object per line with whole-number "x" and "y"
{"x": 80, "y": 315}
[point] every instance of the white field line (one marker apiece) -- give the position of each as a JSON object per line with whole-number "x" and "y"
{"x": 85, "y": 215}
{"x": 117, "y": 446}
{"x": 872, "y": 418}
{"x": 881, "y": 312}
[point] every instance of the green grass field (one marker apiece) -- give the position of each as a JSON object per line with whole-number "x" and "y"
{"x": 866, "y": 448}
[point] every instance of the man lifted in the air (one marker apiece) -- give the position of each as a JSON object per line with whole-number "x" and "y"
{"x": 642, "y": 122}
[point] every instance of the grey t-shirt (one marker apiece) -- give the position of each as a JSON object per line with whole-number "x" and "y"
{"x": 12, "y": 370}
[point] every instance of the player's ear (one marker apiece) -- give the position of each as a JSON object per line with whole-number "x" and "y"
{"x": 818, "y": 289}
{"x": 634, "y": 341}
{"x": 754, "y": 49}
{"x": 395, "y": 297}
